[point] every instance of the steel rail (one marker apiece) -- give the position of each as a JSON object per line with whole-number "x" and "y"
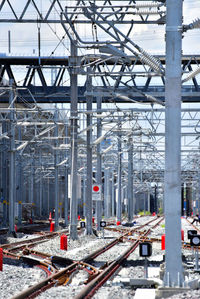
{"x": 34, "y": 240}
{"x": 63, "y": 276}
{"x": 114, "y": 242}
{"x": 97, "y": 282}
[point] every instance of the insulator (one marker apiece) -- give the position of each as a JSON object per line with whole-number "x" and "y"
{"x": 191, "y": 75}
{"x": 148, "y": 12}
{"x": 154, "y": 60}
{"x": 146, "y": 4}
{"x": 154, "y": 66}
{"x": 195, "y": 24}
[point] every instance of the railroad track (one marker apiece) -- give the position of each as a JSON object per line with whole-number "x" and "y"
{"x": 96, "y": 276}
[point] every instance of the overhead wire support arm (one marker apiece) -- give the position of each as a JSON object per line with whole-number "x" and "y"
{"x": 88, "y": 43}
{"x": 147, "y": 58}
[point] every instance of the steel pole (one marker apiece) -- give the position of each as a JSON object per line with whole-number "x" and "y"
{"x": 174, "y": 270}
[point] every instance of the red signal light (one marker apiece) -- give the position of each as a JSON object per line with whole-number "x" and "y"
{"x": 95, "y": 188}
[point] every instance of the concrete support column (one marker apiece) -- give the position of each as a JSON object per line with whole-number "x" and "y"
{"x": 106, "y": 191}
{"x": 40, "y": 187}
{"x": 110, "y": 193}
{"x": 119, "y": 180}
{"x": 4, "y": 174}
{"x": 19, "y": 183}
{"x": 31, "y": 187}
{"x": 48, "y": 197}
{"x": 174, "y": 270}
{"x": 130, "y": 179}
{"x": 198, "y": 195}
{"x": 56, "y": 194}
{"x": 74, "y": 144}
{"x": 66, "y": 197}
{"x": 12, "y": 162}
{"x": 66, "y": 187}
{"x": 89, "y": 161}
{"x": 113, "y": 194}
{"x": 156, "y": 199}
{"x": 99, "y": 166}
{"x": 84, "y": 192}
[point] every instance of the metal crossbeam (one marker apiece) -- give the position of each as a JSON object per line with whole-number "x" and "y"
{"x": 37, "y": 79}
{"x": 30, "y": 11}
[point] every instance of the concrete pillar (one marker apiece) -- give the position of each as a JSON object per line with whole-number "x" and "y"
{"x": 113, "y": 212}
{"x": 4, "y": 175}
{"x": 99, "y": 166}
{"x": 74, "y": 144}
{"x": 89, "y": 161}
{"x": 12, "y": 162}
{"x": 66, "y": 187}
{"x": 119, "y": 179}
{"x": 19, "y": 182}
{"x": 56, "y": 194}
{"x": 174, "y": 270}
{"x": 130, "y": 180}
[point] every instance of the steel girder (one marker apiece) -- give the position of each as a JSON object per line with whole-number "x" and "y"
{"x": 37, "y": 79}
{"x": 30, "y": 11}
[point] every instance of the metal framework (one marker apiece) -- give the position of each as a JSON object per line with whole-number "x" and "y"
{"x": 36, "y": 77}
{"x": 112, "y": 141}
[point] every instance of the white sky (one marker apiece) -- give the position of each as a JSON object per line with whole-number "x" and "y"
{"x": 151, "y": 38}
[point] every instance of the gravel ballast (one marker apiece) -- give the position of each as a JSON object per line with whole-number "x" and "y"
{"x": 17, "y": 276}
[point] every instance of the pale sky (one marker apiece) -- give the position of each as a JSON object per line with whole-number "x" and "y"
{"x": 151, "y": 38}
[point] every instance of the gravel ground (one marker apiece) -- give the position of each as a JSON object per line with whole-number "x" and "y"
{"x": 17, "y": 276}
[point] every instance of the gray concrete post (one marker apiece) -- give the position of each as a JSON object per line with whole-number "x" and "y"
{"x": 19, "y": 179}
{"x": 31, "y": 189}
{"x": 89, "y": 161}
{"x": 106, "y": 191}
{"x": 113, "y": 194}
{"x": 56, "y": 194}
{"x": 99, "y": 166}
{"x": 66, "y": 187}
{"x": 74, "y": 145}
{"x": 130, "y": 179}
{"x": 198, "y": 195}
{"x": 40, "y": 187}
{"x": 84, "y": 192}
{"x": 119, "y": 179}
{"x": 12, "y": 162}
{"x": 5, "y": 175}
{"x": 174, "y": 270}
{"x": 66, "y": 197}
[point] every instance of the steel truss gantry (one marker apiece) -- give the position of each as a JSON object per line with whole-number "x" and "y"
{"x": 35, "y": 76}
{"x": 30, "y": 11}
